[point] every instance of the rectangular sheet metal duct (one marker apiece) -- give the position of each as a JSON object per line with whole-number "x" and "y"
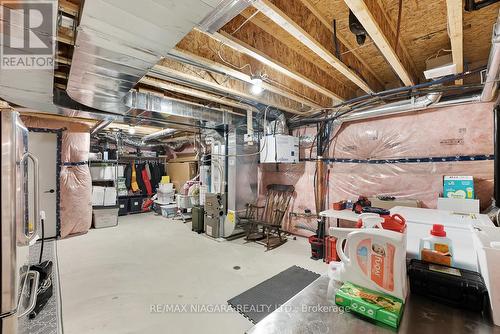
{"x": 118, "y": 42}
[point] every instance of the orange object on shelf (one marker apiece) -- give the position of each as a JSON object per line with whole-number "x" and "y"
{"x": 339, "y": 205}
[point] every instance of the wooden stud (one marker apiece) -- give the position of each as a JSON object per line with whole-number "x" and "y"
{"x": 375, "y": 22}
{"x": 455, "y": 31}
{"x": 282, "y": 16}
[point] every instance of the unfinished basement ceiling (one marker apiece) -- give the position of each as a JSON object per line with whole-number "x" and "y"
{"x": 288, "y": 44}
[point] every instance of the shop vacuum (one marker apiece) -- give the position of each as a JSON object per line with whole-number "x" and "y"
{"x": 45, "y": 287}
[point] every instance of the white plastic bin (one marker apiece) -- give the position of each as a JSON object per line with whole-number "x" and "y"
{"x": 105, "y": 217}
{"x": 168, "y": 210}
{"x": 487, "y": 244}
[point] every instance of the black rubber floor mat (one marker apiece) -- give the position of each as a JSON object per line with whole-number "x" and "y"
{"x": 261, "y": 300}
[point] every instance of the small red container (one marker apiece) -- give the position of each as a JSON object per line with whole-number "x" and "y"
{"x": 331, "y": 249}
{"x": 339, "y": 205}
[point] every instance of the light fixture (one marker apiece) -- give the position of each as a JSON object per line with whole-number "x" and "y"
{"x": 131, "y": 129}
{"x": 256, "y": 89}
{"x": 256, "y": 81}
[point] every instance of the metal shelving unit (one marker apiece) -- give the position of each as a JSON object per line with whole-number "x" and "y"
{"x": 106, "y": 215}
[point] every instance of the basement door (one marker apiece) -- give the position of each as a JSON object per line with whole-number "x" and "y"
{"x": 44, "y": 146}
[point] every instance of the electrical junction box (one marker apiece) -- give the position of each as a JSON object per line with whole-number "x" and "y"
{"x": 279, "y": 148}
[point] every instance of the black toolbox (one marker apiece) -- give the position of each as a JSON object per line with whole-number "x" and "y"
{"x": 452, "y": 286}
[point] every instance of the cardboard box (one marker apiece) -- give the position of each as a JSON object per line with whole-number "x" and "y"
{"x": 458, "y": 187}
{"x": 378, "y": 306}
{"x": 180, "y": 172}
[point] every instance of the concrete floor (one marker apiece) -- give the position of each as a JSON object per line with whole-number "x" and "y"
{"x": 111, "y": 277}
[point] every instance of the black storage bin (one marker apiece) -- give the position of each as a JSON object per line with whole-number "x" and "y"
{"x": 135, "y": 204}
{"x": 123, "y": 207}
{"x": 452, "y": 286}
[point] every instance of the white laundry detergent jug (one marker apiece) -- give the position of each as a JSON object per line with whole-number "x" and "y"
{"x": 374, "y": 258}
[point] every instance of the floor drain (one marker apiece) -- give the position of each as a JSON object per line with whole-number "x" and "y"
{"x": 236, "y": 267}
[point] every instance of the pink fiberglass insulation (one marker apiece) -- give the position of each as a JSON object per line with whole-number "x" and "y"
{"x": 76, "y": 200}
{"x": 465, "y": 130}
{"x": 75, "y": 182}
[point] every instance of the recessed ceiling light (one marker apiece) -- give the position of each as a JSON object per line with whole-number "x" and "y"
{"x": 131, "y": 130}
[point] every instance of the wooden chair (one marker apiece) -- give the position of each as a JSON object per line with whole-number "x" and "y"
{"x": 268, "y": 225}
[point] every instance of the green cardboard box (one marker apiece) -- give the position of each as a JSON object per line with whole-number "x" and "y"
{"x": 378, "y": 306}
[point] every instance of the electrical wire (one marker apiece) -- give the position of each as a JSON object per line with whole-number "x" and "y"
{"x": 249, "y": 154}
{"x": 382, "y": 94}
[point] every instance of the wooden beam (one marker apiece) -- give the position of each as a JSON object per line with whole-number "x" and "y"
{"x": 226, "y": 70}
{"x": 171, "y": 87}
{"x": 371, "y": 16}
{"x": 248, "y": 37}
{"x": 455, "y": 31}
{"x": 294, "y": 19}
{"x": 69, "y": 7}
{"x": 171, "y": 70}
{"x": 208, "y": 47}
{"x": 349, "y": 47}
{"x": 241, "y": 46}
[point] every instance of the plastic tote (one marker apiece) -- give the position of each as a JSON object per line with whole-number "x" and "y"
{"x": 487, "y": 244}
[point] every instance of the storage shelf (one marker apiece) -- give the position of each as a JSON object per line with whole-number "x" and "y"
{"x": 104, "y": 161}
{"x": 115, "y": 206}
{"x": 131, "y": 196}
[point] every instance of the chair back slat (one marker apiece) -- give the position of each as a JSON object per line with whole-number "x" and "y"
{"x": 277, "y": 200}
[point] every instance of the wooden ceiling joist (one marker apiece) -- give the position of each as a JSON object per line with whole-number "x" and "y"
{"x": 241, "y": 46}
{"x": 171, "y": 87}
{"x": 205, "y": 46}
{"x": 226, "y": 70}
{"x": 373, "y": 19}
{"x": 174, "y": 71}
{"x": 345, "y": 47}
{"x": 266, "y": 47}
{"x": 455, "y": 31}
{"x": 293, "y": 17}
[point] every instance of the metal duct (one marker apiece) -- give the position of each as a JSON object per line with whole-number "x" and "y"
{"x": 159, "y": 134}
{"x": 491, "y": 83}
{"x": 413, "y": 104}
{"x": 151, "y": 102}
{"x": 100, "y": 126}
{"x": 225, "y": 12}
{"x": 118, "y": 42}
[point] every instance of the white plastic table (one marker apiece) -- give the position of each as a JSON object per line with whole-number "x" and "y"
{"x": 419, "y": 221}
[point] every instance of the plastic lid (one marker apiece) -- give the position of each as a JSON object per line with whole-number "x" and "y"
{"x": 438, "y": 230}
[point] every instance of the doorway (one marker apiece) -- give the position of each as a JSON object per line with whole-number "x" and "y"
{"x": 44, "y": 144}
